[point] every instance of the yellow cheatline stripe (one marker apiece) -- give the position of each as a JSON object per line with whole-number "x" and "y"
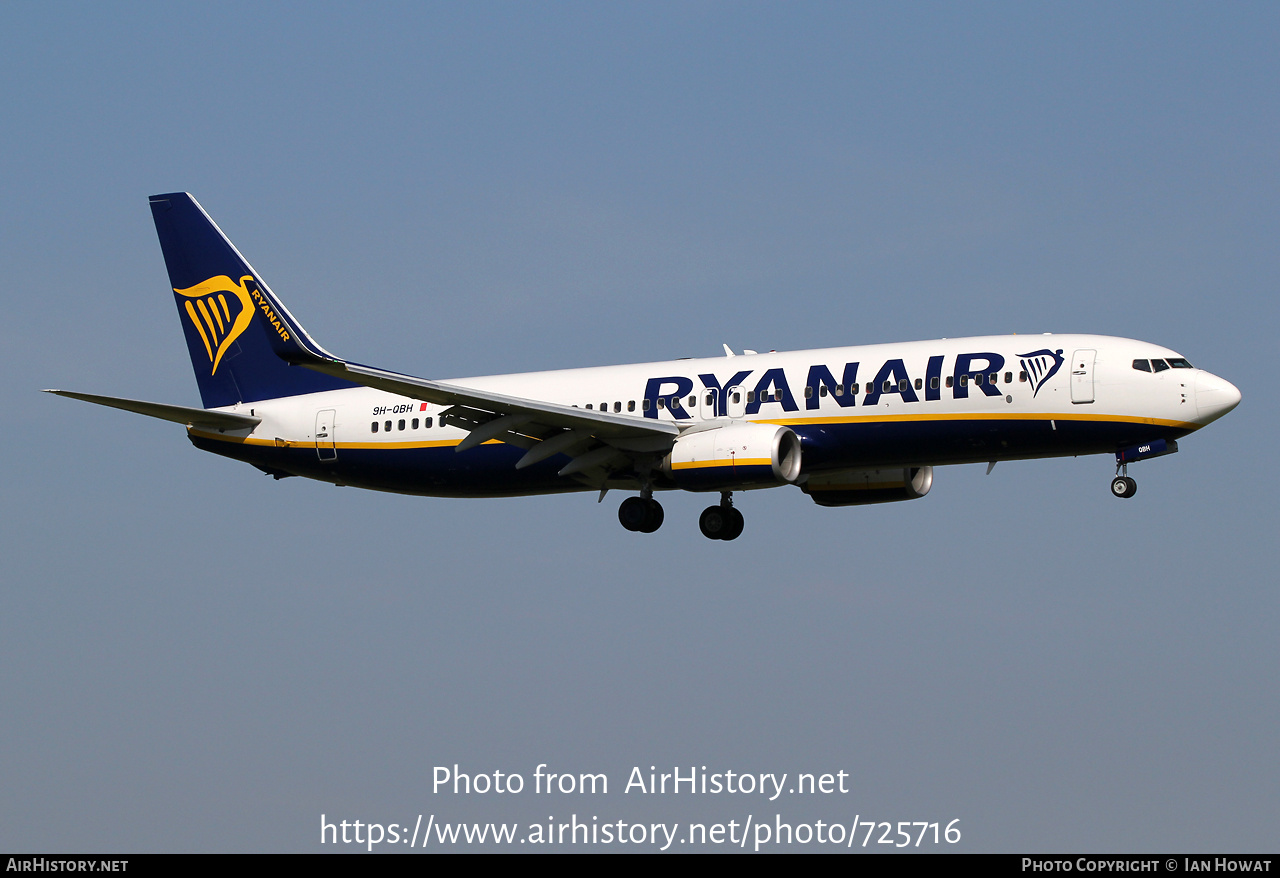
{"x": 727, "y": 461}
{"x": 195, "y": 320}
{"x": 860, "y": 486}
{"x": 964, "y": 416}
{"x": 255, "y": 440}
{"x": 979, "y": 416}
{"x": 442, "y": 443}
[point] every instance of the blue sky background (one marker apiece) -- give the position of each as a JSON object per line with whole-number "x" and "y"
{"x": 197, "y": 658}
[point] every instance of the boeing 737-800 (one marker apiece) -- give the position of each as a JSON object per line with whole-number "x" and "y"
{"x": 847, "y": 426}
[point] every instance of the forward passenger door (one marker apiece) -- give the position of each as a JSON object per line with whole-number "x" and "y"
{"x": 1082, "y": 376}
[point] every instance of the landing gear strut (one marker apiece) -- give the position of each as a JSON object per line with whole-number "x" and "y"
{"x": 721, "y": 522}
{"x": 643, "y": 514}
{"x": 1122, "y": 486}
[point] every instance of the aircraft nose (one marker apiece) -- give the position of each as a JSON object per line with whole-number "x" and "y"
{"x": 1214, "y": 397}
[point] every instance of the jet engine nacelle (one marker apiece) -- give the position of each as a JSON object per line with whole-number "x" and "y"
{"x": 860, "y": 486}
{"x": 733, "y": 457}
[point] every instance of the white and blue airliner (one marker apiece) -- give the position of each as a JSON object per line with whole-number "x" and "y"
{"x": 847, "y": 426}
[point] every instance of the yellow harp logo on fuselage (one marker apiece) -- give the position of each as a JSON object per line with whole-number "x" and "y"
{"x": 220, "y": 309}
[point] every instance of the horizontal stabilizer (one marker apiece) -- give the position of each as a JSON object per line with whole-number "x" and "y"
{"x": 179, "y": 414}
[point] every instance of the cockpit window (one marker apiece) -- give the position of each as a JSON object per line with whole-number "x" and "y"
{"x": 1179, "y": 363}
{"x": 1159, "y": 365}
{"x": 1142, "y": 365}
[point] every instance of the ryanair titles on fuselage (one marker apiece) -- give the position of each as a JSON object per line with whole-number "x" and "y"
{"x": 973, "y": 371}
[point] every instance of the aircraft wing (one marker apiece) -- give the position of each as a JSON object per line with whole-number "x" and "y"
{"x": 597, "y": 442}
{"x": 179, "y": 414}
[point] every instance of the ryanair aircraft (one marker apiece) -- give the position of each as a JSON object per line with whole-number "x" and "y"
{"x": 847, "y": 426}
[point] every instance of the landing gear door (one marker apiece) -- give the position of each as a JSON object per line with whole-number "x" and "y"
{"x": 326, "y": 448}
{"x": 1082, "y": 376}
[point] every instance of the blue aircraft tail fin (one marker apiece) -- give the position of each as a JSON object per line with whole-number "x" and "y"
{"x": 240, "y": 336}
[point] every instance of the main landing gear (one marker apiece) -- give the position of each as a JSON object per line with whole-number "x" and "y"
{"x": 721, "y": 522}
{"x": 1122, "y": 486}
{"x": 643, "y": 514}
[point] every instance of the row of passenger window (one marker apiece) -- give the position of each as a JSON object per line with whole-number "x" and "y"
{"x": 1161, "y": 365}
{"x": 823, "y": 390}
{"x": 400, "y": 425}
{"x": 776, "y": 396}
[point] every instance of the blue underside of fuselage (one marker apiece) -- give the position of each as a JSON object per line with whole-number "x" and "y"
{"x": 489, "y": 470}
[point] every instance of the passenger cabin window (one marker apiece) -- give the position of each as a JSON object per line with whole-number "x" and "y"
{"x": 426, "y": 422}
{"x": 644, "y": 405}
{"x": 808, "y": 392}
{"x": 617, "y": 406}
{"x": 737, "y": 397}
{"x": 822, "y": 390}
{"x": 373, "y": 427}
{"x": 751, "y": 396}
{"x": 662, "y": 403}
{"x": 886, "y": 387}
{"x": 631, "y": 405}
{"x": 1159, "y": 365}
{"x": 994, "y": 378}
{"x": 949, "y": 380}
{"x": 1008, "y": 377}
{"x": 902, "y": 385}
{"x": 919, "y": 383}
{"x": 415, "y": 423}
{"x": 977, "y": 379}
{"x": 853, "y": 388}
{"x": 933, "y": 383}
{"x": 400, "y": 424}
{"x": 387, "y": 426}
{"x": 589, "y": 406}
{"x": 1022, "y": 376}
{"x": 1142, "y": 365}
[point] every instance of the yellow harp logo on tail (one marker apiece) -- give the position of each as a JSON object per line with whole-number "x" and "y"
{"x": 220, "y": 309}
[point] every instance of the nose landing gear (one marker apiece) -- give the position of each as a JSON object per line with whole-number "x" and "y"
{"x": 1122, "y": 486}
{"x": 721, "y": 522}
